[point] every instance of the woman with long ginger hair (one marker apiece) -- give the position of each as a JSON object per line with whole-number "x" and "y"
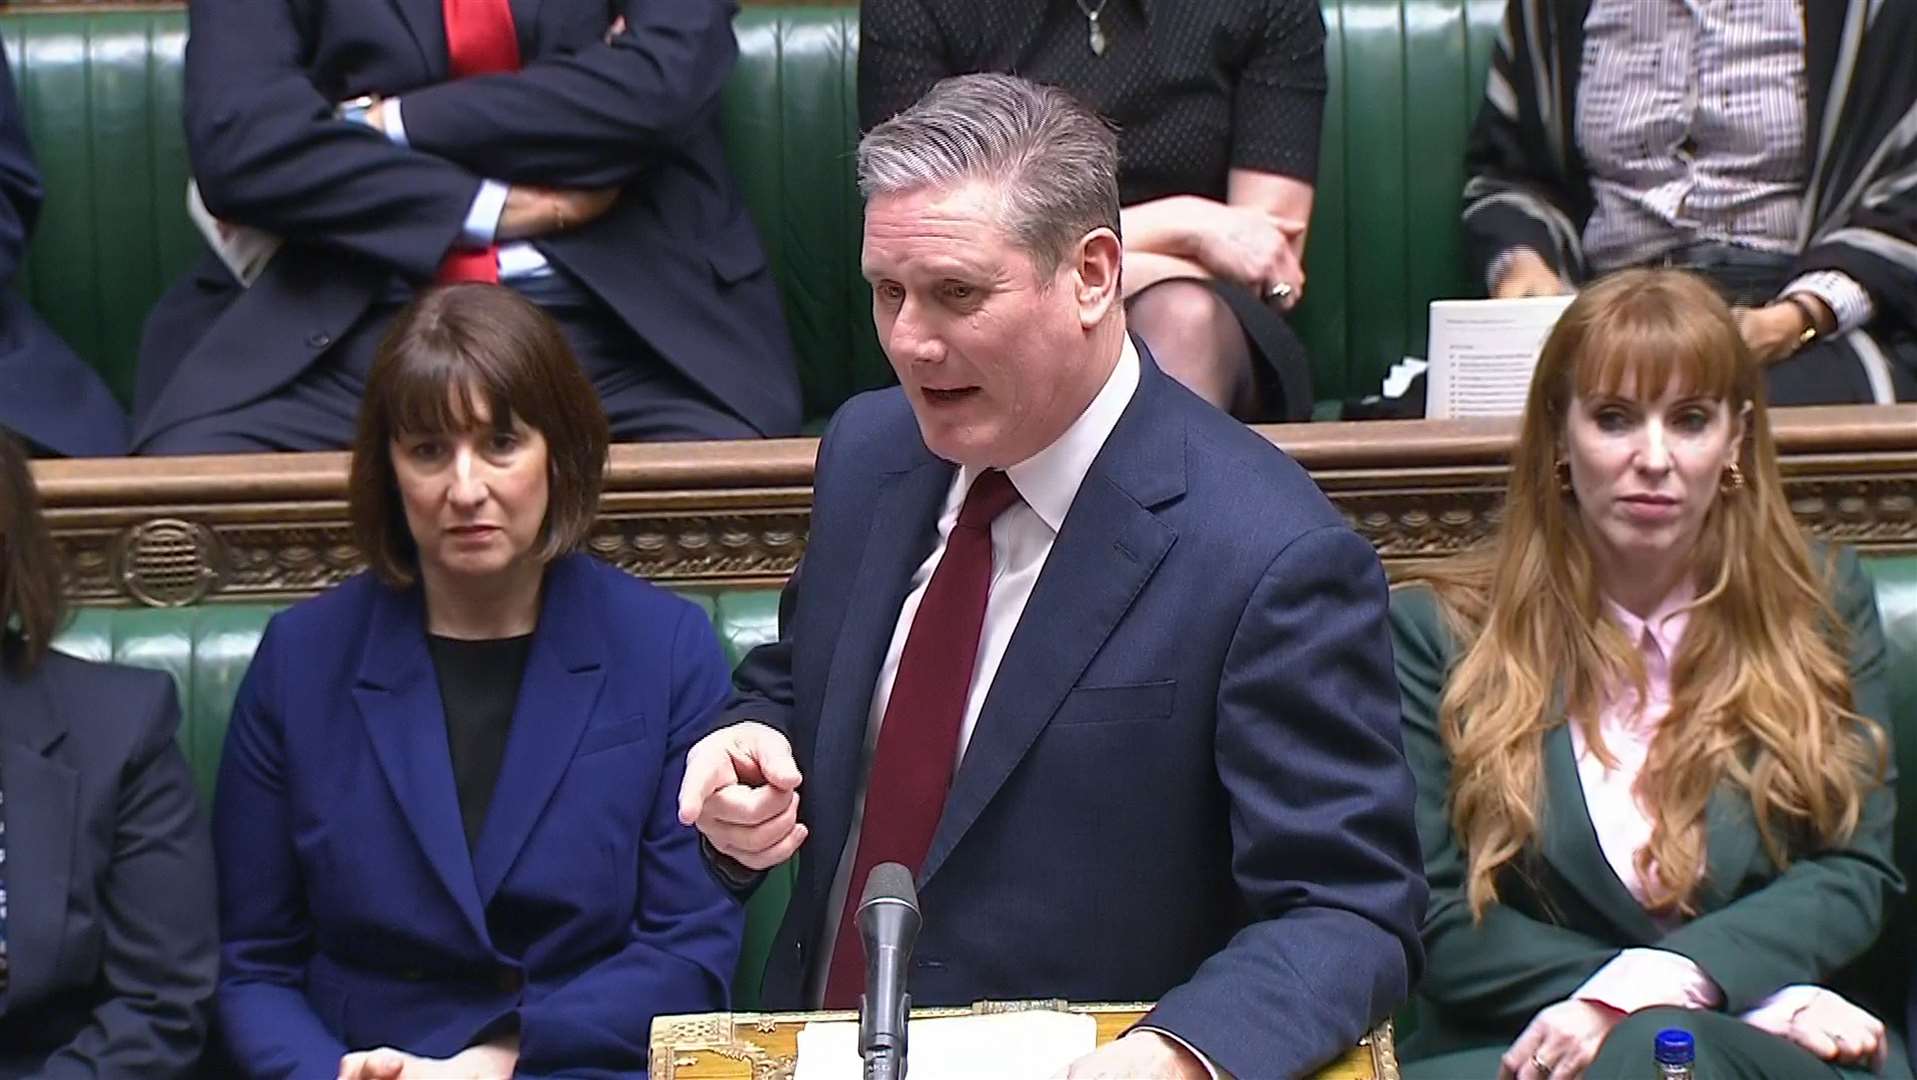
{"x": 1648, "y": 721}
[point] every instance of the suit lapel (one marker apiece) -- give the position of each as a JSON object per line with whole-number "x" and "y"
{"x": 902, "y": 531}
{"x": 564, "y": 673}
{"x": 1731, "y": 844}
{"x": 426, "y": 21}
{"x": 1571, "y": 842}
{"x": 42, "y": 805}
{"x": 1107, "y": 548}
{"x": 398, "y": 697}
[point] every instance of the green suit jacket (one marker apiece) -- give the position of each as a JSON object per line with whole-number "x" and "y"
{"x": 1568, "y": 914}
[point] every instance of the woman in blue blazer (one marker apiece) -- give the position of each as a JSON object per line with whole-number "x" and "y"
{"x": 107, "y": 944}
{"x": 446, "y": 821}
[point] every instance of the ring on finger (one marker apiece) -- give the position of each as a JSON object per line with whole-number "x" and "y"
{"x": 1279, "y": 291}
{"x": 1543, "y": 1067}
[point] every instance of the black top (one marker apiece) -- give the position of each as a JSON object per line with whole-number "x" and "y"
{"x": 479, "y": 684}
{"x": 1197, "y": 87}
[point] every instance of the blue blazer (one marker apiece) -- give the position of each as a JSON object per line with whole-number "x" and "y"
{"x": 109, "y": 874}
{"x": 351, "y": 913}
{"x": 1186, "y": 784}
{"x": 47, "y": 393}
{"x": 677, "y": 258}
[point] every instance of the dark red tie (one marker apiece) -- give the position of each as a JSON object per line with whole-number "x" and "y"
{"x": 918, "y": 738}
{"x": 480, "y": 40}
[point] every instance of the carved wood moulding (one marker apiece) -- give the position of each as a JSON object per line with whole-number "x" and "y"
{"x": 174, "y": 531}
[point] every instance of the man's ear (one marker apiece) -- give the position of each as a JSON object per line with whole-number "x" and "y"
{"x": 1098, "y": 261}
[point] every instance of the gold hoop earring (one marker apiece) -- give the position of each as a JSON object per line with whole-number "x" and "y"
{"x": 1733, "y": 478}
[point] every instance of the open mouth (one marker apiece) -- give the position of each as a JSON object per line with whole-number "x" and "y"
{"x": 948, "y": 397}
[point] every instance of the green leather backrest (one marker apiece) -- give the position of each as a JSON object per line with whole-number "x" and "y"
{"x": 102, "y": 95}
{"x": 1406, "y": 78}
{"x": 791, "y": 124}
{"x": 1896, "y": 581}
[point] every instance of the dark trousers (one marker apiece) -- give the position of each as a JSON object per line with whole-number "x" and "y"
{"x": 1727, "y": 1049}
{"x": 1829, "y": 371}
{"x": 645, "y": 398}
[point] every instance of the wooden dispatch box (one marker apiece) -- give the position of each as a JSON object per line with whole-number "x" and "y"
{"x": 765, "y": 1046}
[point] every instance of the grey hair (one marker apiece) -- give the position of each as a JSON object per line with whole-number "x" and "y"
{"x": 1053, "y": 160}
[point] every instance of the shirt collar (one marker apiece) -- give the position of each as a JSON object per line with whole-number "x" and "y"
{"x": 1667, "y": 621}
{"x": 1048, "y": 481}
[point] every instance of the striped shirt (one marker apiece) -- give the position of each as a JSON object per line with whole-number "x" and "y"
{"x": 1691, "y": 116}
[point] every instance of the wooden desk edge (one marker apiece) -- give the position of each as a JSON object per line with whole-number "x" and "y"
{"x": 764, "y": 1046}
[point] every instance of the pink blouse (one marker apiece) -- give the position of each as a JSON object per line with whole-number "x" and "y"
{"x": 1642, "y": 978}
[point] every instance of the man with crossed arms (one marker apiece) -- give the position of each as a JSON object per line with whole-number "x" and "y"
{"x": 1101, "y": 665}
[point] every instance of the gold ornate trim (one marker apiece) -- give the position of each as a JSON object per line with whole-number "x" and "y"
{"x": 764, "y": 1046}
{"x": 174, "y": 531}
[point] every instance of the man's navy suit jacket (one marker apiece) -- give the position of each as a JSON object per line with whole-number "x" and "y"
{"x": 352, "y": 912}
{"x": 112, "y": 945}
{"x": 1186, "y": 784}
{"x": 676, "y": 259}
{"x": 47, "y": 393}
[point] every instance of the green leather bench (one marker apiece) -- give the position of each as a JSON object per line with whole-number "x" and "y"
{"x": 101, "y": 89}
{"x": 206, "y": 650}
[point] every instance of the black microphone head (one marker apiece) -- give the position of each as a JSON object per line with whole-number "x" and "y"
{"x": 889, "y": 907}
{"x": 890, "y": 881}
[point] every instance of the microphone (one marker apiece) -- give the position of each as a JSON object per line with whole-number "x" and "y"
{"x": 888, "y": 918}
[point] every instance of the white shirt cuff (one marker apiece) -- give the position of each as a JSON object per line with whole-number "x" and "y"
{"x": 392, "y": 123}
{"x": 1643, "y": 978}
{"x": 1210, "y": 1069}
{"x": 1840, "y": 292}
{"x": 482, "y": 220}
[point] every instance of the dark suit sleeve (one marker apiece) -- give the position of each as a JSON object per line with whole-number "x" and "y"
{"x": 762, "y": 683}
{"x": 268, "y": 151}
{"x": 161, "y": 952}
{"x": 266, "y": 932}
{"x": 595, "y": 118}
{"x": 20, "y": 191}
{"x": 902, "y": 52}
{"x": 686, "y": 931}
{"x": 1324, "y": 848}
{"x": 1501, "y": 971}
{"x": 1825, "y": 910}
{"x": 1514, "y": 195}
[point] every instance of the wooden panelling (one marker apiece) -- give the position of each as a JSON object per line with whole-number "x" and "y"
{"x": 169, "y": 531}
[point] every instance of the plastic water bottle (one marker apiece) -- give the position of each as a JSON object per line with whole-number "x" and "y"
{"x": 1676, "y": 1055}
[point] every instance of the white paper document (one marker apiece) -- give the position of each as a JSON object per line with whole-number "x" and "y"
{"x": 244, "y": 249}
{"x": 1036, "y": 1044}
{"x": 1483, "y": 353}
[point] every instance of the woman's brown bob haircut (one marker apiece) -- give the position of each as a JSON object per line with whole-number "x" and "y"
{"x": 447, "y": 351}
{"x": 31, "y": 601}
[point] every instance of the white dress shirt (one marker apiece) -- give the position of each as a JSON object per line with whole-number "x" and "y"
{"x": 1047, "y": 482}
{"x": 517, "y": 259}
{"x": 1692, "y": 117}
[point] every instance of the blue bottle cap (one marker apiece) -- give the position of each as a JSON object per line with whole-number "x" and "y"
{"x": 1675, "y": 1047}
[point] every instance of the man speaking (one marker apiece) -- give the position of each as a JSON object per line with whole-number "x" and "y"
{"x": 1099, "y": 664}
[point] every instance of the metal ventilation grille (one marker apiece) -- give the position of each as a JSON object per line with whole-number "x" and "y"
{"x": 168, "y": 562}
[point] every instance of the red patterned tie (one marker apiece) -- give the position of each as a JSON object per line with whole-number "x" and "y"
{"x": 480, "y": 40}
{"x": 918, "y": 738}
